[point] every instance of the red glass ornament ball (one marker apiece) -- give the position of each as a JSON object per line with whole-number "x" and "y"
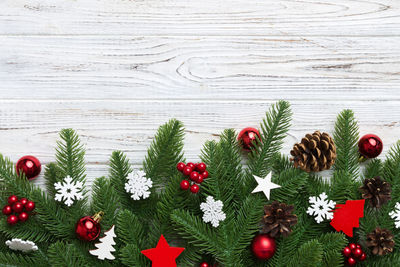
{"x": 87, "y": 229}
{"x": 29, "y": 206}
{"x": 352, "y": 246}
{"x": 17, "y": 207}
{"x": 346, "y": 252}
{"x": 362, "y": 257}
{"x": 357, "y": 252}
{"x": 185, "y": 185}
{"x": 194, "y": 188}
{"x": 7, "y": 210}
{"x": 12, "y": 219}
{"x": 30, "y": 165}
{"x": 247, "y": 137}
{"x": 191, "y": 165}
{"x": 194, "y": 176}
{"x": 204, "y": 264}
{"x": 187, "y": 170}
{"x": 351, "y": 261}
{"x": 370, "y": 146}
{"x": 263, "y": 246}
{"x": 12, "y": 199}
{"x": 201, "y": 167}
{"x": 23, "y": 201}
{"x": 180, "y": 166}
{"x": 23, "y": 216}
{"x": 204, "y": 174}
{"x": 200, "y": 179}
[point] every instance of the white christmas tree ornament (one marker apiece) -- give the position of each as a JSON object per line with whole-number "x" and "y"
{"x": 138, "y": 185}
{"x": 68, "y": 191}
{"x": 212, "y": 211}
{"x": 265, "y": 185}
{"x": 21, "y": 245}
{"x": 395, "y": 214}
{"x": 105, "y": 247}
{"x": 321, "y": 207}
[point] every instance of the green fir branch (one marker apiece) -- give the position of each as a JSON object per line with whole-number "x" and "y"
{"x": 118, "y": 173}
{"x": 373, "y": 168}
{"x": 65, "y": 255}
{"x": 308, "y": 255}
{"x": 391, "y": 167}
{"x": 52, "y": 175}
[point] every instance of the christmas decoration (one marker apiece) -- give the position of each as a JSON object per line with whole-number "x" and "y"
{"x": 265, "y": 185}
{"x": 278, "y": 219}
{"x": 346, "y": 216}
{"x": 17, "y": 209}
{"x": 380, "y": 241}
{"x": 316, "y": 152}
{"x": 21, "y": 245}
{"x": 395, "y": 215}
{"x": 204, "y": 264}
{"x": 195, "y": 172}
{"x": 138, "y": 185}
{"x": 12, "y": 219}
{"x": 248, "y": 137}
{"x": 29, "y": 165}
{"x": 321, "y": 207}
{"x": 68, "y": 191}
{"x": 377, "y": 191}
{"x": 88, "y": 228}
{"x": 263, "y": 247}
{"x": 370, "y": 146}
{"x": 12, "y": 199}
{"x": 105, "y": 247}
{"x": 163, "y": 255}
{"x": 353, "y": 253}
{"x": 212, "y": 211}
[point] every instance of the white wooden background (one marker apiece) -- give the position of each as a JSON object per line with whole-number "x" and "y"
{"x": 116, "y": 69}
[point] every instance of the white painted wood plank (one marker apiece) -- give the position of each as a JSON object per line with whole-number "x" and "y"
{"x": 206, "y": 17}
{"x": 118, "y": 67}
{"x": 31, "y": 127}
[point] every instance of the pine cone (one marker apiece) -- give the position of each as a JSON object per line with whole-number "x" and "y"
{"x": 377, "y": 191}
{"x": 278, "y": 219}
{"x": 316, "y": 152}
{"x": 380, "y": 241}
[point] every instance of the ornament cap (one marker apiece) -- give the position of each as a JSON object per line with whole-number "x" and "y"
{"x": 98, "y": 216}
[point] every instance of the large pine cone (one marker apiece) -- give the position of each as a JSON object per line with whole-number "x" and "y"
{"x": 278, "y": 219}
{"x": 377, "y": 191}
{"x": 316, "y": 152}
{"x": 380, "y": 241}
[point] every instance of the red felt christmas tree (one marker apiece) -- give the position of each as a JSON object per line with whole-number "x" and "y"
{"x": 347, "y": 216}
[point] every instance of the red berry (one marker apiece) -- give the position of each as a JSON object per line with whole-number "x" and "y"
{"x": 346, "y": 252}
{"x": 352, "y": 246}
{"x": 187, "y": 170}
{"x": 204, "y": 174}
{"x": 351, "y": 261}
{"x": 17, "y": 207}
{"x": 358, "y": 246}
{"x": 12, "y": 219}
{"x": 194, "y": 176}
{"x": 180, "y": 166}
{"x": 204, "y": 264}
{"x": 23, "y": 216}
{"x": 7, "y": 210}
{"x": 29, "y": 206}
{"x": 362, "y": 257}
{"x": 185, "y": 185}
{"x": 357, "y": 252}
{"x": 201, "y": 167}
{"x": 23, "y": 201}
{"x": 191, "y": 165}
{"x": 194, "y": 188}
{"x": 200, "y": 179}
{"x": 12, "y": 199}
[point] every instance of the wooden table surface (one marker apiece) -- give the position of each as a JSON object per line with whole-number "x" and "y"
{"x": 116, "y": 69}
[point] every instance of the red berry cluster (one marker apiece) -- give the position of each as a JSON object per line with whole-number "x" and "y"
{"x": 16, "y": 210}
{"x": 354, "y": 253}
{"x": 196, "y": 172}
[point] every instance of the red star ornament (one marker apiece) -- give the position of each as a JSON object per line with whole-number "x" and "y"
{"x": 346, "y": 216}
{"x": 163, "y": 255}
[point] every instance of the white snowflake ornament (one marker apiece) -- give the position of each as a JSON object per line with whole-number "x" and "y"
{"x": 138, "y": 185}
{"x": 21, "y": 245}
{"x": 68, "y": 191}
{"x": 321, "y": 207}
{"x": 395, "y": 214}
{"x": 212, "y": 211}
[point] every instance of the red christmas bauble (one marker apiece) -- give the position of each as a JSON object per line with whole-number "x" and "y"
{"x": 204, "y": 264}
{"x": 194, "y": 176}
{"x": 185, "y": 185}
{"x": 201, "y": 167}
{"x": 370, "y": 146}
{"x": 12, "y": 219}
{"x": 180, "y": 166}
{"x": 357, "y": 252}
{"x": 247, "y": 137}
{"x": 194, "y": 188}
{"x": 88, "y": 227}
{"x": 23, "y": 216}
{"x": 17, "y": 207}
{"x": 29, "y": 206}
{"x": 351, "y": 261}
{"x": 362, "y": 257}
{"x": 12, "y": 199}
{"x": 352, "y": 246}
{"x": 7, "y": 210}
{"x": 204, "y": 174}
{"x": 30, "y": 166}
{"x": 346, "y": 252}
{"x": 263, "y": 246}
